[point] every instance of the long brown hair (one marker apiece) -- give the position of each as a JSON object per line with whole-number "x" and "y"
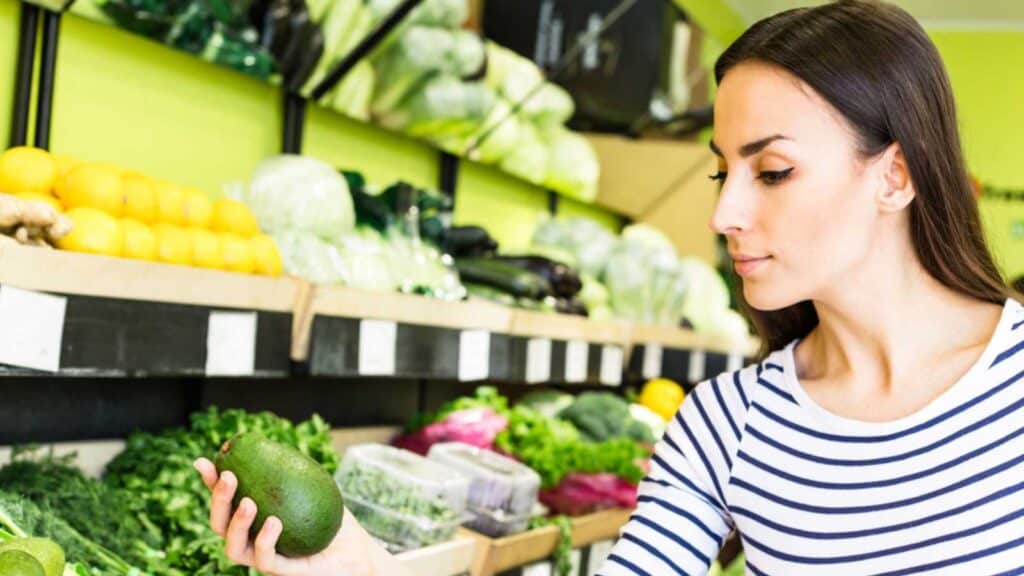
{"x": 875, "y": 64}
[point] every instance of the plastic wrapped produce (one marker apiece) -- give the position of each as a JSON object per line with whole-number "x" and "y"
{"x": 502, "y": 492}
{"x": 402, "y": 499}
{"x": 301, "y": 193}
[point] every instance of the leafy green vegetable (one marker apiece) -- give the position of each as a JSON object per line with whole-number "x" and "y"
{"x": 603, "y": 416}
{"x": 159, "y": 469}
{"x": 563, "y": 552}
{"x": 111, "y": 518}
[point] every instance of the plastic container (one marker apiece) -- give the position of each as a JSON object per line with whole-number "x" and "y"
{"x": 502, "y": 492}
{"x": 402, "y": 498}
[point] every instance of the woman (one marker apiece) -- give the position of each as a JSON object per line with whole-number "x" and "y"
{"x": 884, "y": 433}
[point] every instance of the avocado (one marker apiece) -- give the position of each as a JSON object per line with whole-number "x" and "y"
{"x": 48, "y": 553}
{"x": 18, "y": 563}
{"x": 286, "y": 483}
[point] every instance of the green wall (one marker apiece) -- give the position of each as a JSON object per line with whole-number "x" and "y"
{"x": 124, "y": 99}
{"x": 987, "y": 71}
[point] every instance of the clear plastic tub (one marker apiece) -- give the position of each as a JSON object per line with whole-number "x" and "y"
{"x": 402, "y": 498}
{"x": 502, "y": 492}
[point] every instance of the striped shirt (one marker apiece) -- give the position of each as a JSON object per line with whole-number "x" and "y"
{"x": 938, "y": 492}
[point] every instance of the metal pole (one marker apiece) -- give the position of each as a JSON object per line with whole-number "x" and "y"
{"x": 294, "y": 120}
{"x": 29, "y": 24}
{"x": 47, "y": 77}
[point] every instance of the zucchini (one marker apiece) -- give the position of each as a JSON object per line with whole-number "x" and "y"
{"x": 509, "y": 279}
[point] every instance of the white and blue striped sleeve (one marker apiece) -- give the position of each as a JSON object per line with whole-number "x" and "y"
{"x": 681, "y": 519}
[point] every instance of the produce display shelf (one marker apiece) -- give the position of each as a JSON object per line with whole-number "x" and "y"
{"x": 451, "y": 558}
{"x": 683, "y": 355}
{"x": 530, "y": 552}
{"x": 85, "y": 315}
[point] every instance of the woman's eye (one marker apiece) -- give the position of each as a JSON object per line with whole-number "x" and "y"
{"x": 773, "y": 177}
{"x": 718, "y": 176}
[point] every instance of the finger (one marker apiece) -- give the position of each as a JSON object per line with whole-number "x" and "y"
{"x": 266, "y": 542}
{"x": 207, "y": 470}
{"x": 237, "y": 547}
{"x": 220, "y": 503}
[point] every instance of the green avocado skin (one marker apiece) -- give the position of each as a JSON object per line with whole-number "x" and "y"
{"x": 18, "y": 563}
{"x": 285, "y": 483}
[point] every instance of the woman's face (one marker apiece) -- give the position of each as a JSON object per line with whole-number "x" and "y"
{"x": 797, "y": 203}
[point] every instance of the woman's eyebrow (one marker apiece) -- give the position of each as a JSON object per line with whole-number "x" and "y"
{"x": 751, "y": 148}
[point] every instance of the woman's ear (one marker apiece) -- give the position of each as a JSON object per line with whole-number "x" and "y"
{"x": 896, "y": 189}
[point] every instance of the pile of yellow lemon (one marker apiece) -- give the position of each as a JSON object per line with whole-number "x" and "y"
{"x": 120, "y": 212}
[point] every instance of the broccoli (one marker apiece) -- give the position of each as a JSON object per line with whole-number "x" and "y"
{"x": 601, "y": 416}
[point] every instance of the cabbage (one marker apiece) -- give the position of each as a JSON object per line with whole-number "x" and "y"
{"x": 310, "y": 258}
{"x": 708, "y": 297}
{"x": 528, "y": 160}
{"x": 445, "y": 107}
{"x": 367, "y": 256}
{"x": 573, "y": 168}
{"x": 300, "y": 193}
{"x": 445, "y": 13}
{"x": 589, "y": 242}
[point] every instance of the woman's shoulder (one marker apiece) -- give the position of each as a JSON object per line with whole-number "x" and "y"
{"x": 725, "y": 399}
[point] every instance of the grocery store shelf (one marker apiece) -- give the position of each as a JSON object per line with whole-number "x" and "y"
{"x": 85, "y": 315}
{"x": 683, "y": 356}
{"x": 445, "y": 559}
{"x": 496, "y": 555}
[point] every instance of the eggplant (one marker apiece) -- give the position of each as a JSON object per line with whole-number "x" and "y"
{"x": 565, "y": 282}
{"x": 275, "y": 31}
{"x": 469, "y": 241}
{"x": 515, "y": 281}
{"x": 571, "y": 306}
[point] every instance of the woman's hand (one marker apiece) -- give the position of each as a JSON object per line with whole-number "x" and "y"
{"x": 352, "y": 553}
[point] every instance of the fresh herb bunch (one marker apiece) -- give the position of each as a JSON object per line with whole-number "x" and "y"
{"x": 563, "y": 551}
{"x": 110, "y": 517}
{"x": 158, "y": 468}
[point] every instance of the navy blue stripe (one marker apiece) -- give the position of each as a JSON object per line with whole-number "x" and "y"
{"x": 655, "y": 552}
{"x": 674, "y": 537}
{"x": 675, "y": 474}
{"x": 724, "y": 408}
{"x": 755, "y": 570}
{"x": 964, "y": 558}
{"x": 760, "y": 369}
{"x": 874, "y": 554}
{"x": 703, "y": 458}
{"x": 627, "y": 564}
{"x": 1002, "y": 493}
{"x": 895, "y": 435}
{"x": 887, "y": 482}
{"x": 713, "y": 429}
{"x": 770, "y": 366}
{"x": 680, "y": 512}
{"x": 1014, "y": 572}
{"x": 778, "y": 391}
{"x": 740, "y": 483}
{"x": 739, "y": 388}
{"x": 1017, "y": 325}
{"x": 1005, "y": 355}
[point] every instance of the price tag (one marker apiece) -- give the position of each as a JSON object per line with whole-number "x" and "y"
{"x": 652, "y": 361}
{"x": 697, "y": 361}
{"x": 231, "y": 344}
{"x": 538, "y": 360}
{"x": 576, "y": 357}
{"x": 734, "y": 363}
{"x": 538, "y": 569}
{"x": 611, "y": 365}
{"x": 474, "y": 355}
{"x": 31, "y": 328}
{"x": 377, "y": 347}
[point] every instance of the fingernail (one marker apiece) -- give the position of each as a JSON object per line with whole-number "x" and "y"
{"x": 275, "y": 524}
{"x": 248, "y": 506}
{"x": 196, "y": 466}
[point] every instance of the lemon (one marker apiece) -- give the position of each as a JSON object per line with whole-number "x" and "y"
{"x": 94, "y": 231}
{"x": 662, "y": 396}
{"x": 45, "y": 198}
{"x": 264, "y": 251}
{"x": 198, "y": 210}
{"x": 25, "y": 169}
{"x": 64, "y": 165}
{"x": 233, "y": 216}
{"x": 94, "y": 186}
{"x": 139, "y": 197}
{"x": 206, "y": 251}
{"x": 237, "y": 253}
{"x": 173, "y": 244}
{"x": 139, "y": 240}
{"x": 170, "y": 201}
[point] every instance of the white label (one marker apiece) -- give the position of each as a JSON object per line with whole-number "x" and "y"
{"x": 599, "y": 552}
{"x": 611, "y": 365}
{"x": 31, "y": 328}
{"x": 538, "y": 360}
{"x": 231, "y": 344}
{"x": 377, "y": 347}
{"x": 576, "y": 359}
{"x": 734, "y": 363}
{"x": 474, "y": 355}
{"x": 697, "y": 361}
{"x": 652, "y": 361}
{"x": 538, "y": 569}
